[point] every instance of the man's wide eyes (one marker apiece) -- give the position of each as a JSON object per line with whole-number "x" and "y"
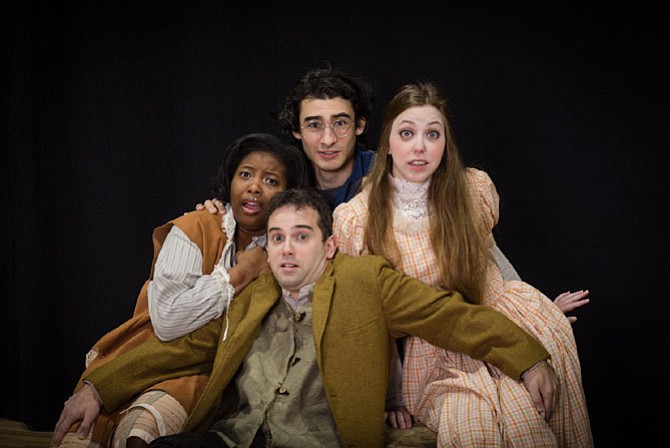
{"x": 298, "y": 237}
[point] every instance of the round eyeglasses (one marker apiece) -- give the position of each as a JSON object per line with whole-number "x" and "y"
{"x": 340, "y": 127}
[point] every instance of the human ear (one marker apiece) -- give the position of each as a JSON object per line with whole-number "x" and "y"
{"x": 360, "y": 125}
{"x": 331, "y": 246}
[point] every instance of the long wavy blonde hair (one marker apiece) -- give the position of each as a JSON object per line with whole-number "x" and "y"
{"x": 455, "y": 228}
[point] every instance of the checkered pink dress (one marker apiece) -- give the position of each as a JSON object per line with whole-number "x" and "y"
{"x": 471, "y": 403}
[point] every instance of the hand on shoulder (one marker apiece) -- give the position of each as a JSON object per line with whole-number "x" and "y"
{"x": 214, "y": 206}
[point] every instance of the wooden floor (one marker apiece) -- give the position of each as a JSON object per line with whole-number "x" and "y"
{"x": 17, "y": 435}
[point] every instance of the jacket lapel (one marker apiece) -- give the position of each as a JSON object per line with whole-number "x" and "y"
{"x": 245, "y": 316}
{"x": 321, "y": 300}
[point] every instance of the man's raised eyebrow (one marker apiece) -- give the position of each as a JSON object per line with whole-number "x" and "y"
{"x": 319, "y": 117}
{"x": 297, "y": 226}
{"x": 303, "y": 226}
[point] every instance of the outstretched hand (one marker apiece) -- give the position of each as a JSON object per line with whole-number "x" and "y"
{"x": 83, "y": 406}
{"x": 570, "y": 301}
{"x": 213, "y": 205}
{"x": 542, "y": 383}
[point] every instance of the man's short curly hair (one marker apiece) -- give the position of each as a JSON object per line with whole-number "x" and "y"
{"x": 325, "y": 82}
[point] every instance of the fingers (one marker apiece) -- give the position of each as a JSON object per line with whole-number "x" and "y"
{"x": 543, "y": 401}
{"x": 542, "y": 384}
{"x": 209, "y": 205}
{"x": 219, "y": 206}
{"x": 86, "y": 424}
{"x": 391, "y": 419}
{"x": 406, "y": 419}
{"x": 569, "y": 301}
{"x": 214, "y": 206}
{"x": 84, "y": 405}
{"x": 561, "y": 295}
{"x": 399, "y": 418}
{"x": 64, "y": 422}
{"x": 548, "y": 400}
{"x": 538, "y": 402}
{"x": 59, "y": 432}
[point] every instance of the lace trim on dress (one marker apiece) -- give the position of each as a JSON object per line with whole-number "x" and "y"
{"x": 410, "y": 198}
{"x": 410, "y": 202}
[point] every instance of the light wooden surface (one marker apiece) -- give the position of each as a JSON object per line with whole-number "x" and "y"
{"x": 17, "y": 435}
{"x": 417, "y": 437}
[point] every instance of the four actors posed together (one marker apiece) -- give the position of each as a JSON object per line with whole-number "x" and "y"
{"x": 330, "y": 289}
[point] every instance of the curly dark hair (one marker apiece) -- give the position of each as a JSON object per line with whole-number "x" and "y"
{"x": 295, "y": 162}
{"x": 325, "y": 82}
{"x": 305, "y": 198}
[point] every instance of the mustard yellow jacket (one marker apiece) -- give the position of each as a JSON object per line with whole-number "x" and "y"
{"x": 358, "y": 303}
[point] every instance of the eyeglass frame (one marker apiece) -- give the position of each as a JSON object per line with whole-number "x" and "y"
{"x": 320, "y": 130}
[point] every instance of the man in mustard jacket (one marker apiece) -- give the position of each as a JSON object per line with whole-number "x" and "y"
{"x": 301, "y": 357}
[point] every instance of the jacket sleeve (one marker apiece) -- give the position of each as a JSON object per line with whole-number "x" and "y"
{"x": 446, "y": 320}
{"x": 153, "y": 362}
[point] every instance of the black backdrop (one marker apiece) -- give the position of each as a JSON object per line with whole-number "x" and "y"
{"x": 117, "y": 114}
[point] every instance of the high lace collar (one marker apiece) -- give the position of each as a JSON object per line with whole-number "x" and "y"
{"x": 410, "y": 198}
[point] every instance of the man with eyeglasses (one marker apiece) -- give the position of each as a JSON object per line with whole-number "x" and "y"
{"x": 326, "y": 112}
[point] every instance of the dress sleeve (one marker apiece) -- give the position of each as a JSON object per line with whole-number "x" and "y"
{"x": 485, "y": 197}
{"x": 181, "y": 298}
{"x": 486, "y": 201}
{"x": 348, "y": 228}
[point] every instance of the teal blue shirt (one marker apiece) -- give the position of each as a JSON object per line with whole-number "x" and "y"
{"x": 362, "y": 162}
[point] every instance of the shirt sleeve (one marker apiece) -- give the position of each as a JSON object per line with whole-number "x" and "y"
{"x": 506, "y": 269}
{"x": 182, "y": 299}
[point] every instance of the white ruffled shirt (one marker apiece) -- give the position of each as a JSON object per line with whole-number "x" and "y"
{"x": 181, "y": 298}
